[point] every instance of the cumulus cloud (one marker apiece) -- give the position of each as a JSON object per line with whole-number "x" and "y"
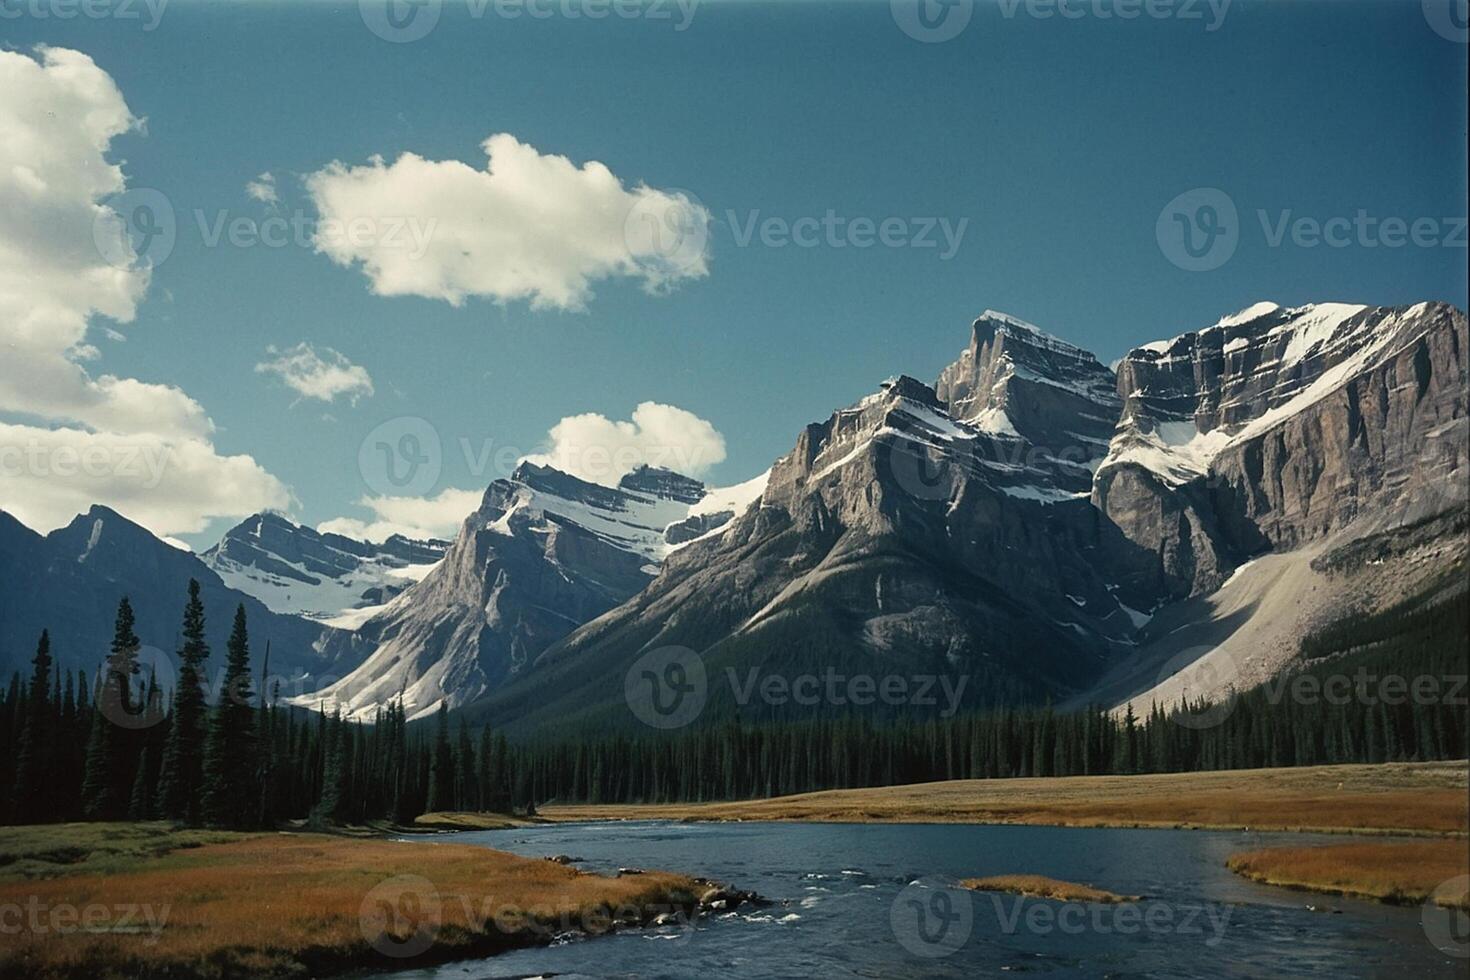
{"x": 601, "y": 450}
{"x": 66, "y": 258}
{"x": 414, "y": 517}
{"x": 529, "y": 226}
{"x": 263, "y": 188}
{"x": 324, "y": 376}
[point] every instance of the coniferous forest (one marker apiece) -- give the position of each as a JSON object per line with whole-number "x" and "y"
{"x": 117, "y": 746}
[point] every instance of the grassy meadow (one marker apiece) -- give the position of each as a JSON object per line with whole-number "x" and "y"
{"x": 1392, "y": 798}
{"x": 129, "y": 900}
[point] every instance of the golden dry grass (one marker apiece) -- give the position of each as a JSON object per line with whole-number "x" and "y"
{"x": 467, "y": 821}
{"x": 296, "y": 904}
{"x": 1392, "y": 798}
{"x": 1040, "y": 886}
{"x": 1404, "y": 873}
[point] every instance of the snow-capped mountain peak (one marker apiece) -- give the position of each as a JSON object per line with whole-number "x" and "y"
{"x": 329, "y": 577}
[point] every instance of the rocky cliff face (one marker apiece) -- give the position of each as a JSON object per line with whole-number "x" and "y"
{"x": 294, "y": 569}
{"x": 901, "y": 534}
{"x": 1021, "y": 522}
{"x": 1274, "y": 427}
{"x": 544, "y": 553}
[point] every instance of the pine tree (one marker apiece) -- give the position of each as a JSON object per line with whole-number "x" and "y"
{"x": 441, "y": 769}
{"x": 229, "y": 750}
{"x": 182, "y": 778}
{"x": 109, "y": 767}
{"x": 141, "y": 798}
{"x": 329, "y": 808}
{"x": 33, "y": 798}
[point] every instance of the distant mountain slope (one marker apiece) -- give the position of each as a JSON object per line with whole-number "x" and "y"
{"x": 1275, "y": 427}
{"x": 544, "y": 553}
{"x": 294, "y": 569}
{"x": 1033, "y": 523}
{"x": 897, "y": 537}
{"x": 70, "y": 581}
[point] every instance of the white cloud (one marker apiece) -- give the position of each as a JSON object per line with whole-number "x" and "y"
{"x": 530, "y": 226}
{"x": 323, "y": 376}
{"x": 67, "y": 439}
{"x": 414, "y": 517}
{"x": 601, "y": 450}
{"x": 263, "y": 188}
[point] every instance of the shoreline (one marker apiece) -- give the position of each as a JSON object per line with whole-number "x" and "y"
{"x": 291, "y": 904}
{"x": 1380, "y": 800}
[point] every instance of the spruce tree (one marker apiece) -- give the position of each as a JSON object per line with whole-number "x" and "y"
{"x": 182, "y": 777}
{"x": 229, "y": 749}
{"x": 109, "y": 767}
{"x": 141, "y": 799}
{"x": 33, "y": 798}
{"x": 441, "y": 769}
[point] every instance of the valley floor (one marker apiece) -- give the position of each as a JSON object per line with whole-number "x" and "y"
{"x": 128, "y": 900}
{"x": 1391, "y": 798}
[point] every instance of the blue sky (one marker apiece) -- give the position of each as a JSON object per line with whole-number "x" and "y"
{"x": 1057, "y": 142}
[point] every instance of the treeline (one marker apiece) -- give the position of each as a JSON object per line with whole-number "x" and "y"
{"x": 1387, "y": 688}
{"x": 1376, "y": 689}
{"x": 118, "y": 746}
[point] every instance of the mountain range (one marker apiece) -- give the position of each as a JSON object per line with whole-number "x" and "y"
{"x": 1044, "y": 526}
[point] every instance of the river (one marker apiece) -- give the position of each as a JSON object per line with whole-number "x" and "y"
{"x": 877, "y": 901}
